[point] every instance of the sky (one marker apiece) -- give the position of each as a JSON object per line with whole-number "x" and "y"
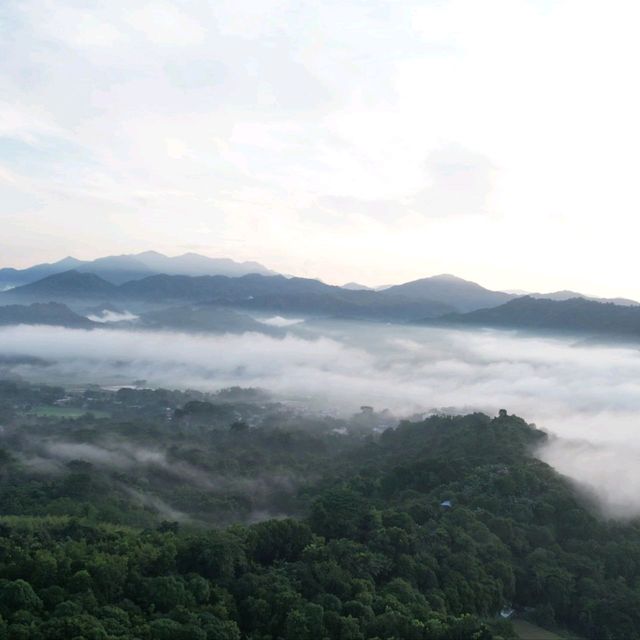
{"x": 367, "y": 140}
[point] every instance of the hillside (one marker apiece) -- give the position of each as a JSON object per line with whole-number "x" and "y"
{"x": 460, "y": 294}
{"x": 567, "y": 295}
{"x": 64, "y": 286}
{"x": 218, "y": 288}
{"x": 50, "y": 313}
{"x": 10, "y": 277}
{"x": 423, "y": 532}
{"x": 205, "y": 319}
{"x": 185, "y": 318}
{"x": 576, "y": 315}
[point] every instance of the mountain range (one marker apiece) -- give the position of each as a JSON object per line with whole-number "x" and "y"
{"x": 205, "y": 320}
{"x": 193, "y": 301}
{"x": 48, "y": 313}
{"x": 253, "y": 291}
{"x": 461, "y": 295}
{"x": 576, "y": 315}
{"x": 568, "y": 295}
{"x": 120, "y": 269}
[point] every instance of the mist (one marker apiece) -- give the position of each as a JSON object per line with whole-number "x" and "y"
{"x": 586, "y": 396}
{"x": 155, "y": 468}
{"x": 113, "y": 316}
{"x": 279, "y": 321}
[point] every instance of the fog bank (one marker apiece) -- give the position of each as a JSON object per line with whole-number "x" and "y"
{"x": 587, "y": 396}
{"x": 113, "y": 316}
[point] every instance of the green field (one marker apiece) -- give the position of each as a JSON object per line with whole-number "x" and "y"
{"x": 48, "y": 411}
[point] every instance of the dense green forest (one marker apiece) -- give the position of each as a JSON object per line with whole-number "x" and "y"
{"x": 156, "y": 514}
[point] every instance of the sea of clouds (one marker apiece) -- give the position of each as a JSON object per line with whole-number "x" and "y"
{"x": 587, "y": 396}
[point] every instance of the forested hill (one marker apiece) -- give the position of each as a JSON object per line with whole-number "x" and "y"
{"x": 576, "y": 315}
{"x": 424, "y": 532}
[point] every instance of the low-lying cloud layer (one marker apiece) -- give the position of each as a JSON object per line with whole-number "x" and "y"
{"x": 113, "y": 316}
{"x": 588, "y": 396}
{"x": 279, "y": 321}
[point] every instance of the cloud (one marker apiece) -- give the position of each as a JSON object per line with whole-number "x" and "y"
{"x": 279, "y": 321}
{"x": 337, "y": 208}
{"x": 606, "y": 471}
{"x": 157, "y": 504}
{"x": 399, "y": 367}
{"x": 112, "y": 454}
{"x": 113, "y": 316}
{"x": 163, "y": 23}
{"x": 461, "y": 183}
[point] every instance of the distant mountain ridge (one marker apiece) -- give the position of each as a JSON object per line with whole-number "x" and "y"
{"x": 133, "y": 279}
{"x": 187, "y": 319}
{"x": 252, "y": 291}
{"x": 576, "y": 315}
{"x": 205, "y": 320}
{"x": 48, "y": 313}
{"x": 568, "y": 295}
{"x": 460, "y": 294}
{"x": 66, "y": 285}
{"x": 120, "y": 269}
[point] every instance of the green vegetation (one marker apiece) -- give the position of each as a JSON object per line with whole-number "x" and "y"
{"x": 228, "y": 516}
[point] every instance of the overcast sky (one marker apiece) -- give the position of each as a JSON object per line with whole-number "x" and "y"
{"x": 365, "y": 140}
